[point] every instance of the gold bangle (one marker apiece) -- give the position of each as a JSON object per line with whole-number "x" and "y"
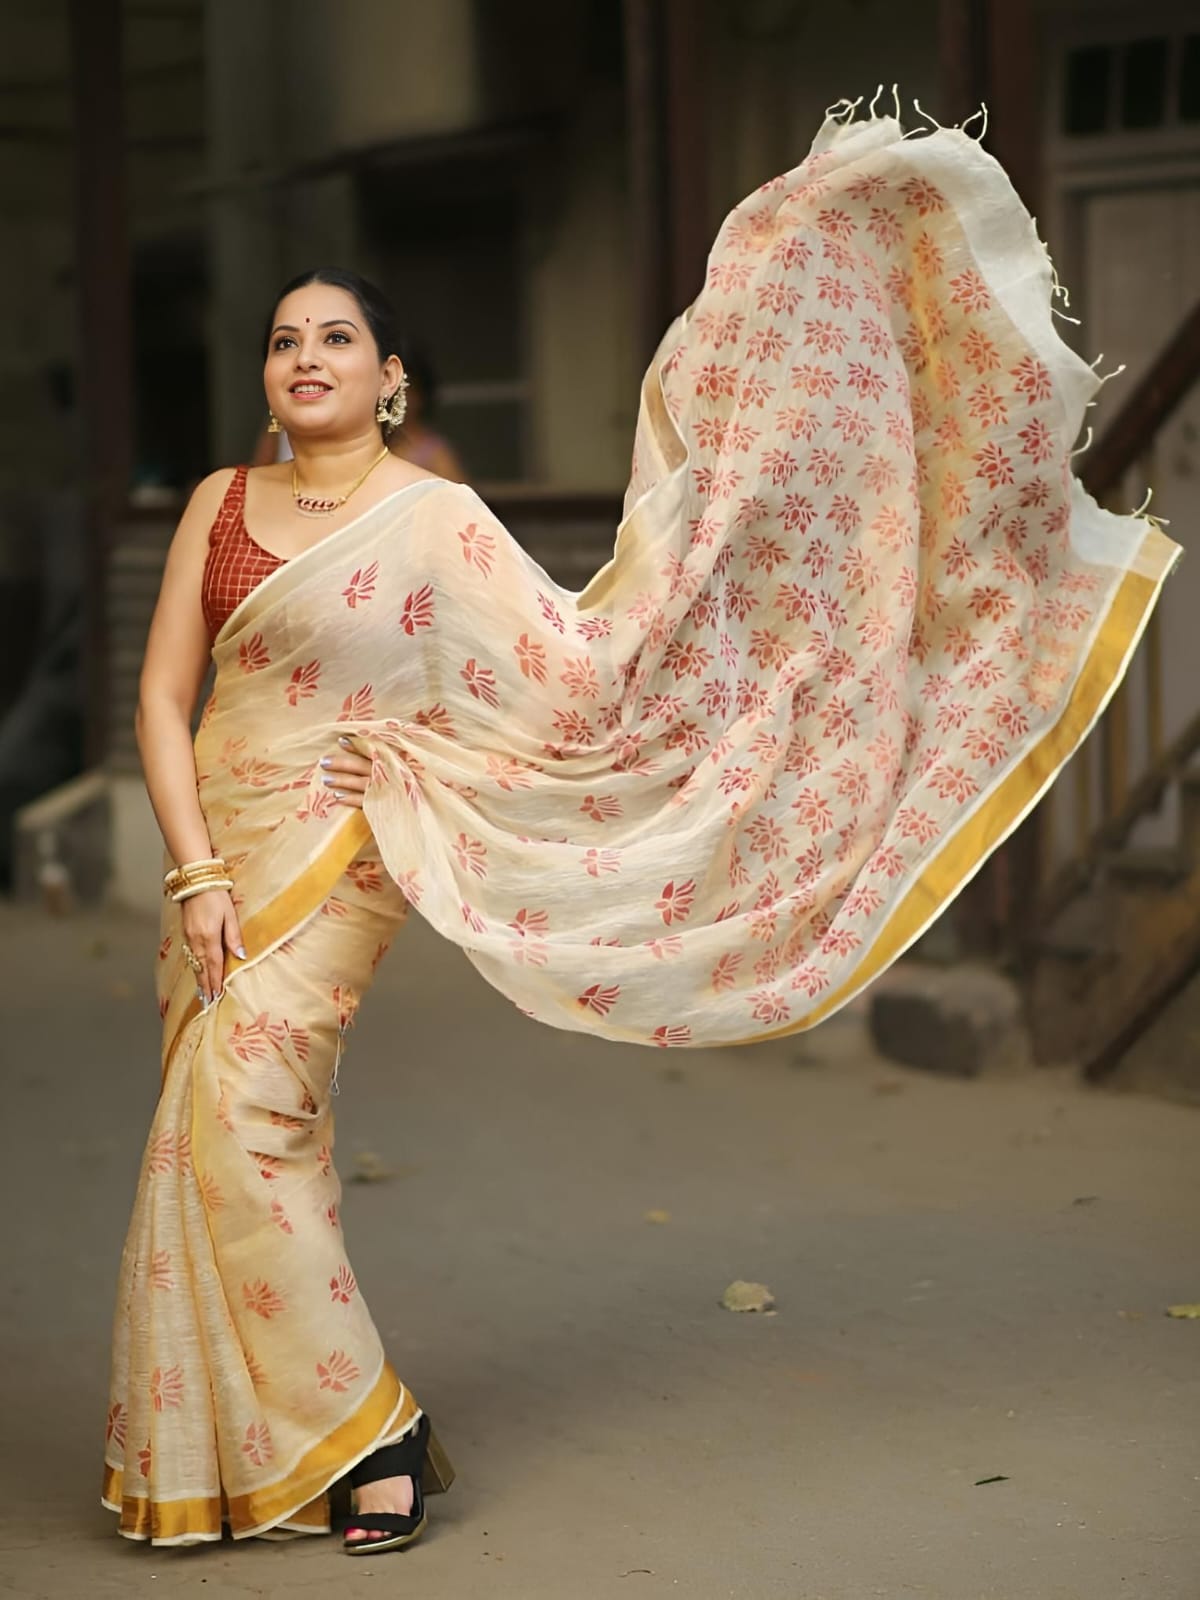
{"x": 193, "y": 866}
{"x": 192, "y": 872}
{"x": 212, "y": 882}
{"x": 201, "y": 877}
{"x": 191, "y": 889}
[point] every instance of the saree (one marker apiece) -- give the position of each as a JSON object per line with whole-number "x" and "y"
{"x": 857, "y": 616}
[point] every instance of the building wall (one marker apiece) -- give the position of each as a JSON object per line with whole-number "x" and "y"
{"x": 347, "y": 83}
{"x": 36, "y": 267}
{"x": 776, "y": 65}
{"x": 584, "y": 377}
{"x": 390, "y": 70}
{"x": 1122, "y": 219}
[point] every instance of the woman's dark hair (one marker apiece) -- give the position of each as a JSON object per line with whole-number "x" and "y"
{"x": 374, "y": 304}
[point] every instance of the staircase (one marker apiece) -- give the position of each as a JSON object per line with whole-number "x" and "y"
{"x": 134, "y": 574}
{"x": 1121, "y": 930}
{"x": 1113, "y": 934}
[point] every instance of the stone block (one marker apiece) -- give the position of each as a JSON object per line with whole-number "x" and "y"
{"x": 962, "y": 1021}
{"x": 62, "y": 844}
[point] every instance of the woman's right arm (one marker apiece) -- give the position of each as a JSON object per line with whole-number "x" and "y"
{"x": 177, "y": 653}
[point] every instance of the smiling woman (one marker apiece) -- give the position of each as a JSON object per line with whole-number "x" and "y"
{"x": 308, "y": 396}
{"x": 857, "y": 617}
{"x": 332, "y": 379}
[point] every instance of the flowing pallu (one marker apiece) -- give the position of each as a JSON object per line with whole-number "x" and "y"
{"x": 858, "y": 615}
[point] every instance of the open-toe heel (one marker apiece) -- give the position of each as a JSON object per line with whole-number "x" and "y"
{"x": 419, "y": 1456}
{"x": 437, "y": 1473}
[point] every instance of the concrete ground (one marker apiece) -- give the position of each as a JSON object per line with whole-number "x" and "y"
{"x": 971, "y": 1283}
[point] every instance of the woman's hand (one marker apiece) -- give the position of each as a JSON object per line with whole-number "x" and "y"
{"x": 347, "y": 774}
{"x": 210, "y": 928}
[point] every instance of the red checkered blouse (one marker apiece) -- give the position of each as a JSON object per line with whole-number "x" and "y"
{"x": 236, "y": 565}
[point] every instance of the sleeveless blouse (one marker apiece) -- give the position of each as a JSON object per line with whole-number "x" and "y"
{"x": 236, "y": 564}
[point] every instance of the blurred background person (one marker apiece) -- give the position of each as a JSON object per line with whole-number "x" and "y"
{"x": 418, "y": 440}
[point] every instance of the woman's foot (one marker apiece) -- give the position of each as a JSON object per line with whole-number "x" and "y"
{"x": 389, "y": 1487}
{"x": 388, "y": 1495}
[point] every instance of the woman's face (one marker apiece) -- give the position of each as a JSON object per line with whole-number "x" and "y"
{"x": 323, "y": 373}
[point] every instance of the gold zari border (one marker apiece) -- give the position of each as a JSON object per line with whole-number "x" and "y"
{"x": 288, "y": 909}
{"x": 966, "y": 850}
{"x": 288, "y": 1500}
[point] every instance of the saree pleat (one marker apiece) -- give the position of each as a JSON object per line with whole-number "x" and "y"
{"x": 247, "y": 1372}
{"x": 857, "y": 617}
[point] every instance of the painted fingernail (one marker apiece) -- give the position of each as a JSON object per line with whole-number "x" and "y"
{"x": 241, "y": 950}
{"x": 344, "y": 742}
{"x": 326, "y": 761}
{"x": 329, "y": 782}
{"x": 339, "y": 794}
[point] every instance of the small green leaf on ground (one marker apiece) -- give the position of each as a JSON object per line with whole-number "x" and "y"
{"x": 1191, "y": 1311}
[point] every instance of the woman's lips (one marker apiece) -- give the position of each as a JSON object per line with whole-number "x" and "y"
{"x": 310, "y": 394}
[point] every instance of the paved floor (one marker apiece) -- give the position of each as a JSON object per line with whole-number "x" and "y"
{"x": 971, "y": 1282}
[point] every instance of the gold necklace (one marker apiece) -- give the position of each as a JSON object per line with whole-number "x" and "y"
{"x": 315, "y": 505}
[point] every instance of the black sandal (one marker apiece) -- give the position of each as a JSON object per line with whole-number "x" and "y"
{"x": 418, "y": 1456}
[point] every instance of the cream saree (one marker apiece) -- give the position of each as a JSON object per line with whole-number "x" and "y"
{"x": 857, "y": 617}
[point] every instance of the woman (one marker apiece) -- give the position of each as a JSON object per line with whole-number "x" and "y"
{"x": 238, "y": 1169}
{"x": 857, "y": 617}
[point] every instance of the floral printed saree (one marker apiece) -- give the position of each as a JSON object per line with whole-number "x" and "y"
{"x": 857, "y": 617}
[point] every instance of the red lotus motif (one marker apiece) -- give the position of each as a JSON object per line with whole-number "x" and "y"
{"x": 166, "y": 1388}
{"x": 668, "y": 1037}
{"x": 478, "y": 548}
{"x": 675, "y": 900}
{"x": 260, "y": 1298}
{"x": 599, "y": 998}
{"x": 257, "y": 1446}
{"x": 480, "y": 682}
{"x": 342, "y": 1286}
{"x": 361, "y": 585}
{"x": 253, "y": 654}
{"x": 418, "y": 610}
{"x": 302, "y": 684}
{"x": 337, "y": 1372}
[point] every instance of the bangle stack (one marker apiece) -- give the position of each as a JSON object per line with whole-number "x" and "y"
{"x": 196, "y": 877}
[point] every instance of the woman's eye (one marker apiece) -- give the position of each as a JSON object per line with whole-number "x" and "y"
{"x": 282, "y": 341}
{"x": 337, "y": 334}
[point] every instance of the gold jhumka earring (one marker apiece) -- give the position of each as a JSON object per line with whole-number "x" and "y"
{"x": 274, "y": 425}
{"x": 392, "y": 408}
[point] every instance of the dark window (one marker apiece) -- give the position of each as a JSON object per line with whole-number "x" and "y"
{"x": 1189, "y": 79}
{"x": 1089, "y": 83}
{"x": 169, "y": 339}
{"x": 1144, "y": 84}
{"x": 446, "y": 246}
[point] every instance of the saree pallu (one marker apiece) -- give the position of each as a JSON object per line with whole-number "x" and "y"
{"x": 857, "y": 617}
